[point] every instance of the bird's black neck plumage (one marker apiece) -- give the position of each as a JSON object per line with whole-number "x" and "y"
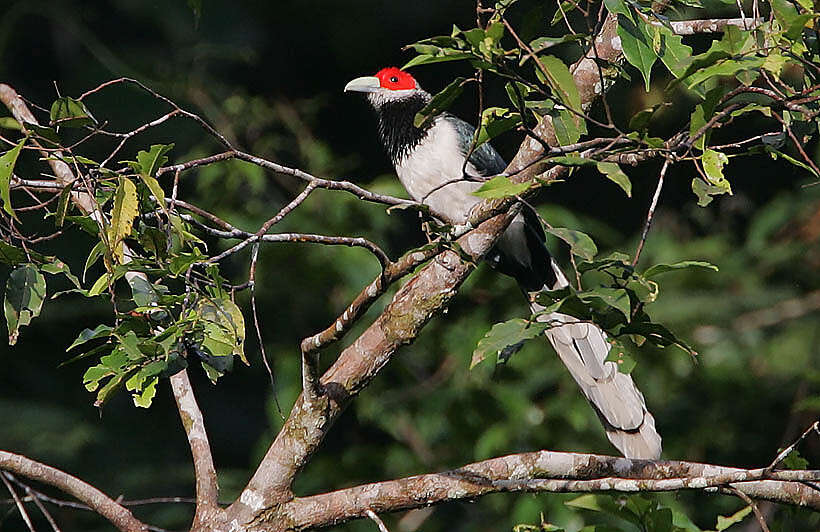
{"x": 398, "y": 134}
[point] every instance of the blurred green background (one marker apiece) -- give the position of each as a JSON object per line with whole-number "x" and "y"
{"x": 269, "y": 76}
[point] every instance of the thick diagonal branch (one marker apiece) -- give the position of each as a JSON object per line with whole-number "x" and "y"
{"x": 98, "y": 501}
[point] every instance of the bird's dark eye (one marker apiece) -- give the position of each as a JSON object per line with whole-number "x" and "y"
{"x": 394, "y": 79}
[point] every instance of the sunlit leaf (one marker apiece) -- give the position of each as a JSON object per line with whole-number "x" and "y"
{"x": 7, "y": 162}
{"x": 126, "y": 208}
{"x": 614, "y": 173}
{"x": 501, "y": 187}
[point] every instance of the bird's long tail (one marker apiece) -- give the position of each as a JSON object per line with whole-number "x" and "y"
{"x": 583, "y": 348}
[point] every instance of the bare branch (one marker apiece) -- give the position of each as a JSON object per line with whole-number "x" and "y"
{"x": 20, "y": 507}
{"x": 711, "y": 25}
{"x": 207, "y": 490}
{"x": 651, "y": 213}
{"x": 543, "y": 471}
{"x": 117, "y": 514}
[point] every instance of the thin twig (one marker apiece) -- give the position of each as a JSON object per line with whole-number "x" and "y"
{"x": 20, "y": 507}
{"x": 745, "y": 498}
{"x": 785, "y": 452}
{"x": 651, "y": 213}
{"x": 376, "y": 519}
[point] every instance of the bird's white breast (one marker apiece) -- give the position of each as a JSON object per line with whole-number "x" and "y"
{"x": 432, "y": 174}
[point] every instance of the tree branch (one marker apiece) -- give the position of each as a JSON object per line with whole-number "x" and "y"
{"x": 118, "y": 515}
{"x": 207, "y": 490}
{"x": 542, "y": 471}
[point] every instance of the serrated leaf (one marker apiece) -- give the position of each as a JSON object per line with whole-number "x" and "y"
{"x": 580, "y": 244}
{"x": 7, "y": 162}
{"x": 126, "y": 208}
{"x": 25, "y": 292}
{"x": 614, "y": 173}
{"x": 440, "y": 102}
{"x": 501, "y": 187}
{"x": 67, "y": 111}
{"x": 503, "y": 335}
{"x": 658, "y": 269}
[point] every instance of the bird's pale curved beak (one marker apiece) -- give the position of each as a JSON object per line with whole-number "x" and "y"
{"x": 364, "y": 84}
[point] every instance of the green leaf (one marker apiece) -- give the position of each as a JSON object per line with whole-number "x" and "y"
{"x": 702, "y": 114}
{"x": 713, "y": 162}
{"x": 568, "y": 126}
{"x": 572, "y": 160}
{"x": 795, "y": 461}
{"x": 580, "y": 244}
{"x": 58, "y": 267}
{"x": 144, "y": 398}
{"x": 503, "y": 335}
{"x": 150, "y": 161}
{"x": 562, "y": 83}
{"x": 62, "y": 205}
{"x": 614, "y": 173}
{"x": 444, "y": 54}
{"x": 440, "y": 102}
{"x": 725, "y": 522}
{"x": 11, "y": 255}
{"x": 126, "y": 208}
{"x": 67, "y": 111}
{"x": 728, "y": 67}
{"x": 100, "y": 331}
{"x": 9, "y": 122}
{"x": 616, "y": 298}
{"x": 501, "y": 187}
{"x": 494, "y": 121}
{"x": 658, "y": 269}
{"x": 637, "y": 44}
{"x": 672, "y": 52}
{"x": 705, "y": 192}
{"x": 143, "y": 292}
{"x": 224, "y": 327}
{"x": 100, "y": 285}
{"x": 25, "y": 292}
{"x": 7, "y": 162}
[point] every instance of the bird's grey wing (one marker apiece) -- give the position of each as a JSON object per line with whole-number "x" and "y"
{"x": 583, "y": 348}
{"x": 484, "y": 161}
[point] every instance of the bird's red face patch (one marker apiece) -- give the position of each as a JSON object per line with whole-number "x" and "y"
{"x": 394, "y": 79}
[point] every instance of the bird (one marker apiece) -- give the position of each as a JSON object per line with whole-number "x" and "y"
{"x": 436, "y": 167}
